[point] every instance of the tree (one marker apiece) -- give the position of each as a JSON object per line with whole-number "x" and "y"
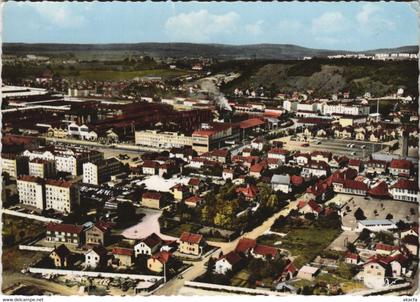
{"x": 125, "y": 212}
{"x": 364, "y": 235}
{"x": 389, "y": 216}
{"x": 351, "y": 247}
{"x": 345, "y": 271}
{"x": 359, "y": 214}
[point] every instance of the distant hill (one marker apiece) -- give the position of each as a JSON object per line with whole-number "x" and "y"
{"x": 325, "y": 76}
{"x": 179, "y": 50}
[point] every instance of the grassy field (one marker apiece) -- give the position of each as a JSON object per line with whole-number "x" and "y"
{"x": 18, "y": 229}
{"x": 111, "y": 75}
{"x": 177, "y": 231}
{"x": 306, "y": 243}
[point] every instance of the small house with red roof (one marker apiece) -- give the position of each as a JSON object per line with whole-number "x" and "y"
{"x": 249, "y": 192}
{"x": 229, "y": 262}
{"x": 257, "y": 169}
{"x": 195, "y": 184}
{"x": 122, "y": 257}
{"x": 379, "y": 190}
{"x": 193, "y": 201}
{"x": 288, "y": 272}
{"x": 316, "y": 169}
{"x": 61, "y": 256}
{"x": 375, "y": 166}
{"x": 96, "y": 256}
{"x": 351, "y": 258}
{"x": 385, "y": 249}
{"x": 153, "y": 200}
{"x": 180, "y": 191}
{"x": 309, "y": 207}
{"x": 159, "y": 261}
{"x": 245, "y": 245}
{"x": 349, "y": 186}
{"x": 191, "y": 244}
{"x": 264, "y": 251}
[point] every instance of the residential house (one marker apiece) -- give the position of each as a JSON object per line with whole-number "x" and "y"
{"x": 307, "y": 272}
{"x": 60, "y": 256}
{"x": 349, "y": 186}
{"x": 249, "y": 192}
{"x": 192, "y": 244}
{"x": 159, "y": 261}
{"x": 180, "y": 191}
{"x": 264, "y": 251}
{"x": 194, "y": 184}
{"x": 257, "y": 169}
{"x": 311, "y": 207}
{"x": 317, "y": 169}
{"x": 288, "y": 272}
{"x": 245, "y": 246}
{"x": 318, "y": 156}
{"x": 65, "y": 233}
{"x": 150, "y": 167}
{"x": 228, "y": 262}
{"x": 148, "y": 246}
{"x": 193, "y": 201}
{"x": 228, "y": 174}
{"x": 152, "y": 200}
{"x": 351, "y": 258}
{"x": 278, "y": 153}
{"x": 302, "y": 159}
{"x": 406, "y": 190}
{"x": 281, "y": 183}
{"x": 123, "y": 257}
{"x": 375, "y": 166}
{"x": 400, "y": 167}
{"x": 96, "y": 257}
{"x": 411, "y": 243}
{"x": 99, "y": 233}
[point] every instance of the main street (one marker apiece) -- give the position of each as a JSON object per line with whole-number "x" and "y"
{"x": 172, "y": 287}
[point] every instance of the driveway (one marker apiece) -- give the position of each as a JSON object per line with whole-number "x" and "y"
{"x": 148, "y": 225}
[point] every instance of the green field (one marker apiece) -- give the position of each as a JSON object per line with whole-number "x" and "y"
{"x": 306, "y": 243}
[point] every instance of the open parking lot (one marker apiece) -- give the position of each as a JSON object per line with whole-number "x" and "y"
{"x": 376, "y": 209}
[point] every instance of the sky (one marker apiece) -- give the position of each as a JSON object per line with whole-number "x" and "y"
{"x": 334, "y": 25}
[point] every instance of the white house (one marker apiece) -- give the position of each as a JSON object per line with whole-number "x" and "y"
{"x": 148, "y": 246}
{"x": 281, "y": 183}
{"x": 376, "y": 225}
{"x": 227, "y": 263}
{"x": 95, "y": 256}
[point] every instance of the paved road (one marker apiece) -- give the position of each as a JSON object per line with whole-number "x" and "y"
{"x": 173, "y": 287}
{"x": 148, "y": 225}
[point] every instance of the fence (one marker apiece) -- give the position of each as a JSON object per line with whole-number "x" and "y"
{"x": 232, "y": 289}
{"x": 35, "y": 248}
{"x": 149, "y": 278}
{"x": 30, "y": 216}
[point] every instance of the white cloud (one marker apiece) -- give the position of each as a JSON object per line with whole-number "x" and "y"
{"x": 329, "y": 22}
{"x": 58, "y": 14}
{"x": 255, "y": 29}
{"x": 370, "y": 19}
{"x": 200, "y": 26}
{"x": 289, "y": 26}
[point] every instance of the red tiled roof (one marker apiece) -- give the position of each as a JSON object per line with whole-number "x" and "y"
{"x": 152, "y": 195}
{"x": 314, "y": 206}
{"x": 30, "y": 178}
{"x": 62, "y": 227}
{"x": 162, "y": 256}
{"x": 232, "y": 257}
{"x": 59, "y": 183}
{"x": 406, "y": 184}
{"x": 253, "y": 122}
{"x": 62, "y": 251}
{"x": 191, "y": 238}
{"x": 180, "y": 187}
{"x": 385, "y": 247}
{"x": 290, "y": 268}
{"x": 249, "y": 191}
{"x": 103, "y": 225}
{"x": 122, "y": 251}
{"x": 352, "y": 256}
{"x": 400, "y": 164}
{"x": 194, "y": 182}
{"x": 354, "y": 162}
{"x": 265, "y": 250}
{"x": 245, "y": 244}
{"x": 296, "y": 180}
{"x": 279, "y": 151}
{"x": 257, "y": 168}
{"x": 380, "y": 190}
{"x": 150, "y": 164}
{"x": 152, "y": 240}
{"x": 355, "y": 185}
{"x": 194, "y": 199}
